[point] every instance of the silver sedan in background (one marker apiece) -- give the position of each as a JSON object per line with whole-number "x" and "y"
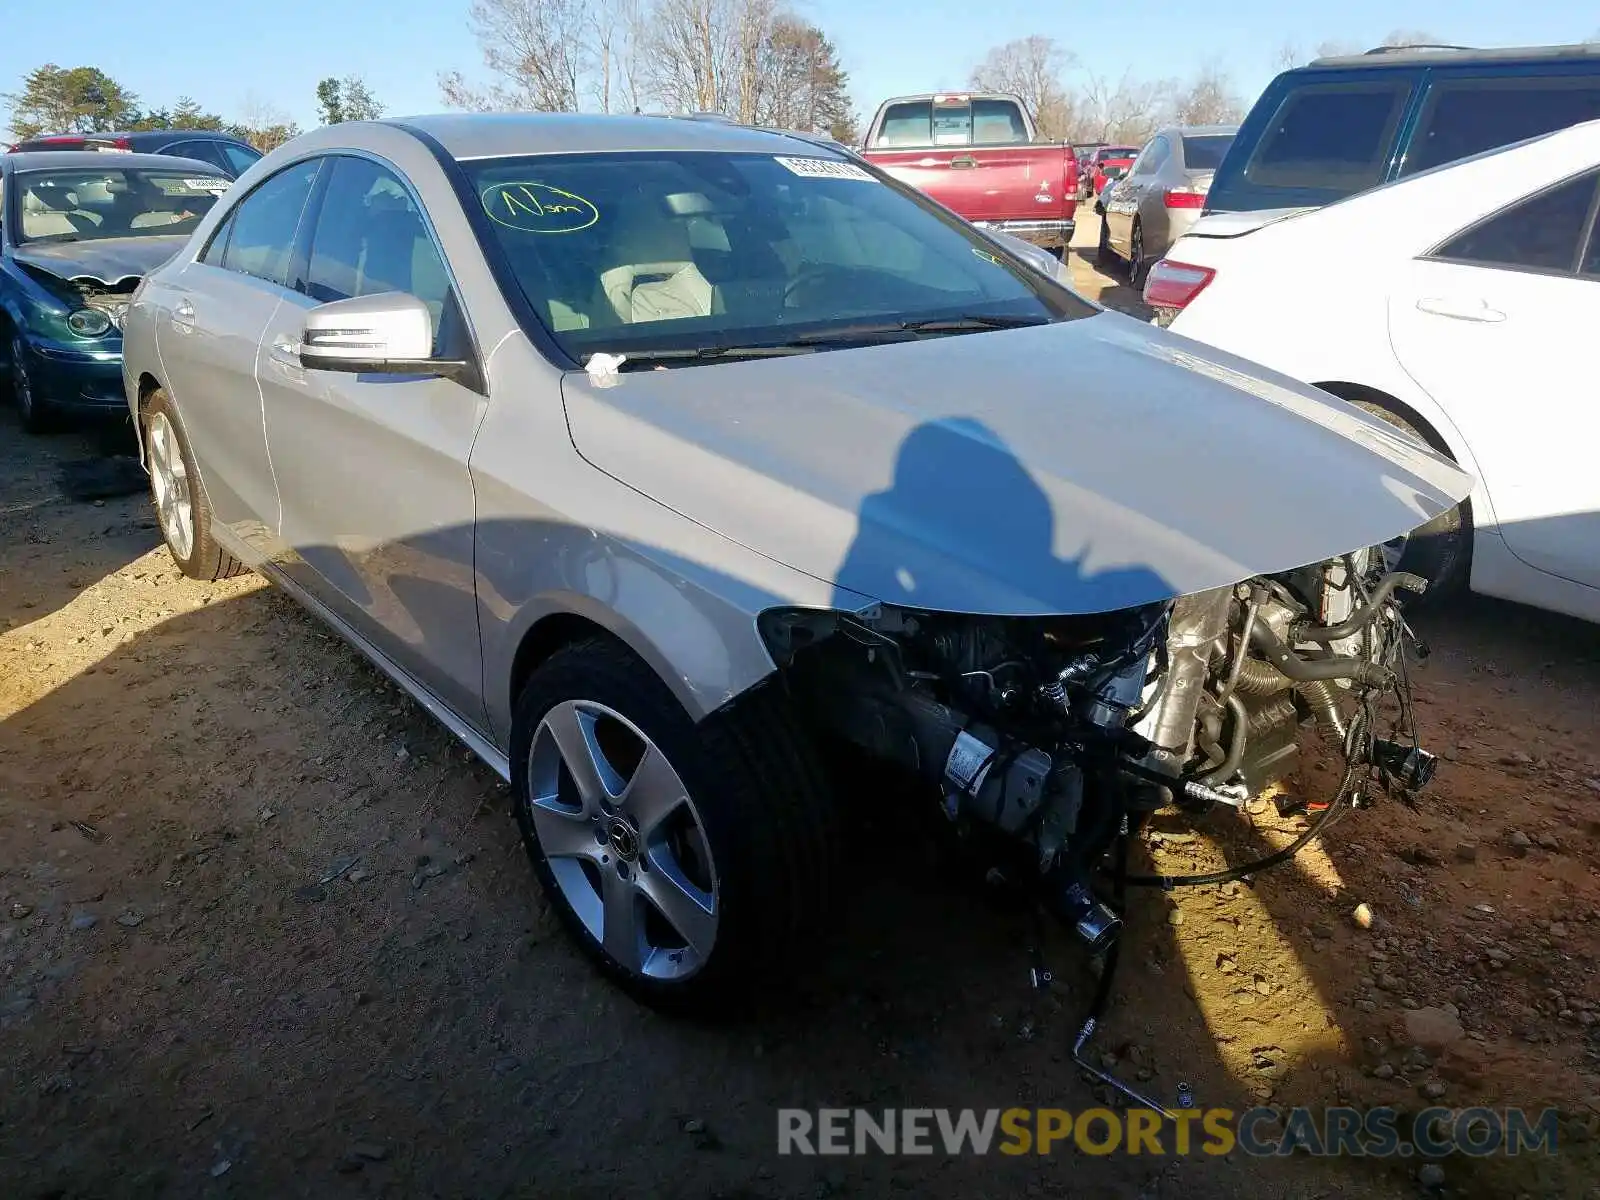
{"x": 1161, "y": 195}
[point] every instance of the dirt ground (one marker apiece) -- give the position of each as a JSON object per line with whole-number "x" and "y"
{"x": 265, "y": 930}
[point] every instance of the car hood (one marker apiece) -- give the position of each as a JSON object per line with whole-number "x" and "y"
{"x": 1078, "y": 467}
{"x": 108, "y": 260}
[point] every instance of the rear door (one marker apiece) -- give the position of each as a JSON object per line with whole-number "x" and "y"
{"x": 372, "y": 469}
{"x": 210, "y": 318}
{"x": 1495, "y": 326}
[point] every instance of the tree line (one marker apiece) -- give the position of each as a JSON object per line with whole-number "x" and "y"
{"x": 55, "y": 99}
{"x": 752, "y": 60}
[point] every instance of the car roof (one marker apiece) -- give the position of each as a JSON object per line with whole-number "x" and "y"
{"x": 181, "y": 135}
{"x": 1398, "y": 56}
{"x": 32, "y": 160}
{"x": 1202, "y": 130}
{"x": 496, "y": 135}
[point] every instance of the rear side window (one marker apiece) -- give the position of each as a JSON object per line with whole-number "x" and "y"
{"x": 1203, "y": 152}
{"x": 203, "y": 150}
{"x": 1332, "y": 137}
{"x": 265, "y": 222}
{"x": 1545, "y": 232}
{"x": 239, "y": 158}
{"x": 908, "y": 124}
{"x": 1462, "y": 117}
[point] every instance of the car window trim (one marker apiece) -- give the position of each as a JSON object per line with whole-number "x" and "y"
{"x": 476, "y": 380}
{"x": 225, "y": 221}
{"x": 1574, "y": 269}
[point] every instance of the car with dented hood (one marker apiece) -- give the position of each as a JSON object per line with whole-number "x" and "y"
{"x": 78, "y": 230}
{"x": 687, "y": 471}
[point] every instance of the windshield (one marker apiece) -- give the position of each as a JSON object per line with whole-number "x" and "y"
{"x": 86, "y": 204}
{"x": 663, "y": 250}
{"x": 1204, "y": 152}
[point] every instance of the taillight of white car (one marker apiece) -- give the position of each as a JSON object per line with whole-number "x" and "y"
{"x": 1172, "y": 286}
{"x": 1183, "y": 197}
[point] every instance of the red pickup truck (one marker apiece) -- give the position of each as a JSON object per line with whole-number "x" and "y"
{"x": 975, "y": 153}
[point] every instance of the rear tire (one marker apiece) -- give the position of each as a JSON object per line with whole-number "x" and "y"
{"x": 1441, "y": 550}
{"x": 753, "y": 813}
{"x": 1138, "y": 268}
{"x": 180, "y": 500}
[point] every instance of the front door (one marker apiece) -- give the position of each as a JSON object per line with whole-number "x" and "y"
{"x": 209, "y": 322}
{"x": 372, "y": 469}
{"x": 1493, "y": 326}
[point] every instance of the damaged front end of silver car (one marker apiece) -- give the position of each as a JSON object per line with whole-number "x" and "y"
{"x": 1049, "y": 740}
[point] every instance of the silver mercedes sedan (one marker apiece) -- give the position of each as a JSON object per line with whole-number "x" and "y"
{"x": 680, "y": 468}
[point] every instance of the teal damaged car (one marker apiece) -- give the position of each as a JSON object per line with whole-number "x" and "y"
{"x": 78, "y": 231}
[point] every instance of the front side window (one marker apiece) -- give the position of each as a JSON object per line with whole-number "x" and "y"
{"x": 1334, "y": 137}
{"x": 1545, "y": 232}
{"x": 1463, "y": 117}
{"x": 370, "y": 238}
{"x": 84, "y": 205}
{"x": 653, "y": 250}
{"x": 265, "y": 223}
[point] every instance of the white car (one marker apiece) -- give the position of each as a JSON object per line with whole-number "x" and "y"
{"x": 1458, "y": 303}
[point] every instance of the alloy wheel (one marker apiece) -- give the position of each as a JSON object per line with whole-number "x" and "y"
{"x": 623, "y": 840}
{"x": 169, "y": 486}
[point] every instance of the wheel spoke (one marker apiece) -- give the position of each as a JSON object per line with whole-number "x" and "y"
{"x": 654, "y": 792}
{"x": 623, "y": 931}
{"x": 573, "y": 730}
{"x": 563, "y": 833}
{"x": 687, "y": 909}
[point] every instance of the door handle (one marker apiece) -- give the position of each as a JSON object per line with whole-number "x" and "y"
{"x": 1460, "y": 310}
{"x": 183, "y": 315}
{"x": 963, "y": 162}
{"x": 287, "y": 355}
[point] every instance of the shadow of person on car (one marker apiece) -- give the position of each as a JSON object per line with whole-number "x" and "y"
{"x": 963, "y": 527}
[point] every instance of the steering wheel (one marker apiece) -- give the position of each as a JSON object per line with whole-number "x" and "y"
{"x": 808, "y": 276}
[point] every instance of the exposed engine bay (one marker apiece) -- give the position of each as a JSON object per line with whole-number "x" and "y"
{"x": 1053, "y": 738}
{"x": 111, "y": 297}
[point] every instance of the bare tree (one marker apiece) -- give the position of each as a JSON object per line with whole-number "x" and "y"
{"x": 1208, "y": 99}
{"x": 1032, "y": 69}
{"x": 263, "y": 124}
{"x": 1412, "y": 37}
{"x": 536, "y": 51}
{"x": 618, "y": 29}
{"x": 1127, "y": 111}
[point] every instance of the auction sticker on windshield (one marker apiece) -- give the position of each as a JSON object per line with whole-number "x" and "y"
{"x": 826, "y": 168}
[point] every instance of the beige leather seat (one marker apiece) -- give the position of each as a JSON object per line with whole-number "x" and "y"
{"x": 40, "y": 220}
{"x": 654, "y": 278}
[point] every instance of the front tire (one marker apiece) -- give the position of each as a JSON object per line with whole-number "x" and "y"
{"x": 683, "y": 859}
{"x": 1441, "y": 550}
{"x": 182, "y": 510}
{"x": 1138, "y": 268}
{"x": 34, "y": 409}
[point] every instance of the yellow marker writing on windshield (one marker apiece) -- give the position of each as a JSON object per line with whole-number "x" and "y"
{"x": 538, "y": 208}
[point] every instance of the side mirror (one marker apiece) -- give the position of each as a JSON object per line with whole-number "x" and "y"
{"x": 390, "y": 333}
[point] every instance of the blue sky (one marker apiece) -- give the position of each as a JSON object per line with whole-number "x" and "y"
{"x": 276, "y": 51}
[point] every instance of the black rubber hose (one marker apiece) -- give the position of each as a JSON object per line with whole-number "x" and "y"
{"x": 1168, "y": 882}
{"x": 1303, "y": 670}
{"x": 1363, "y": 616}
{"x": 1236, "y": 745}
